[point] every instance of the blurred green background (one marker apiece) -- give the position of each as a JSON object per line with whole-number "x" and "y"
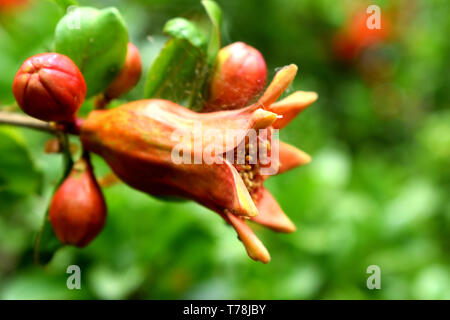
{"x": 376, "y": 192}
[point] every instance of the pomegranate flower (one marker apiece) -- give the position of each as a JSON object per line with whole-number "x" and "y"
{"x": 137, "y": 141}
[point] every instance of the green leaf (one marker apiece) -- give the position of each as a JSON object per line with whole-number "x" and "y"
{"x": 96, "y": 40}
{"x": 181, "y": 28}
{"x": 180, "y": 71}
{"x": 215, "y": 15}
{"x": 179, "y": 66}
{"x": 173, "y": 73}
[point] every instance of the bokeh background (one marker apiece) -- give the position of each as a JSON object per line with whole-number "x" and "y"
{"x": 376, "y": 192}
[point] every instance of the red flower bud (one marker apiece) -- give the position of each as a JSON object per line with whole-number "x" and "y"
{"x": 49, "y": 87}
{"x": 355, "y": 36}
{"x": 240, "y": 75}
{"x": 10, "y": 5}
{"x": 78, "y": 209}
{"x": 128, "y": 76}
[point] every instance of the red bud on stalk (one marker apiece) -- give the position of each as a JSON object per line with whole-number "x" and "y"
{"x": 240, "y": 75}
{"x": 49, "y": 87}
{"x": 128, "y": 76}
{"x": 78, "y": 209}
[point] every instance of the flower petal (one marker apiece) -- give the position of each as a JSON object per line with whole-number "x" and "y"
{"x": 279, "y": 84}
{"x": 290, "y": 157}
{"x": 291, "y": 106}
{"x": 224, "y": 129}
{"x": 240, "y": 202}
{"x": 270, "y": 214}
{"x": 255, "y": 248}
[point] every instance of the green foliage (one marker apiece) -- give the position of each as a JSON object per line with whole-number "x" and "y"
{"x": 176, "y": 70}
{"x": 96, "y": 40}
{"x": 181, "y": 28}
{"x": 215, "y": 15}
{"x": 181, "y": 69}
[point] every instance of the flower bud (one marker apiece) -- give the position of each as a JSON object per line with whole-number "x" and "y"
{"x": 78, "y": 209}
{"x": 240, "y": 75}
{"x": 49, "y": 87}
{"x": 355, "y": 36}
{"x": 11, "y": 5}
{"x": 128, "y": 76}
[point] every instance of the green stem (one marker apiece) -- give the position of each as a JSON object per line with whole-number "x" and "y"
{"x": 46, "y": 243}
{"x": 68, "y": 161}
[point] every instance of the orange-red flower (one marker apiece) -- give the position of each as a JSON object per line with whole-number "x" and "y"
{"x": 137, "y": 141}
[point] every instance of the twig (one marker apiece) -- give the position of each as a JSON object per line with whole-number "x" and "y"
{"x": 21, "y": 120}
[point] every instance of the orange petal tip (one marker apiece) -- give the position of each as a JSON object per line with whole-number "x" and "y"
{"x": 254, "y": 247}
